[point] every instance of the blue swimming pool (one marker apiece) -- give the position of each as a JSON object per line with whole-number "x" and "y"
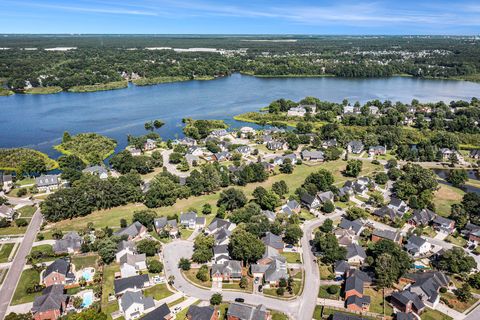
{"x": 87, "y": 299}
{"x": 87, "y": 275}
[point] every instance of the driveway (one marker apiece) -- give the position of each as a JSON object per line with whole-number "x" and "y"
{"x": 13, "y": 275}
{"x": 172, "y": 168}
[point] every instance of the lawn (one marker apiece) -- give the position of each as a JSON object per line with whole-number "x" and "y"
{"x": 28, "y": 277}
{"x": 323, "y": 293}
{"x": 158, "y": 292}
{"x": 458, "y": 240}
{"x": 81, "y": 262}
{"x": 12, "y": 230}
{"x": 111, "y": 217}
{"x": 317, "y": 313}
{"x": 445, "y": 197}
{"x": 5, "y": 251}
{"x": 191, "y": 275}
{"x": 297, "y": 286}
{"x": 47, "y": 253}
{"x": 278, "y": 316}
{"x": 430, "y": 314}
{"x": 456, "y": 304}
{"x": 175, "y": 302}
{"x": 326, "y": 272}
{"x": 107, "y": 287}
{"x": 292, "y": 257}
{"x": 378, "y": 304}
{"x": 27, "y": 211}
{"x": 429, "y": 232}
{"x": 25, "y": 182}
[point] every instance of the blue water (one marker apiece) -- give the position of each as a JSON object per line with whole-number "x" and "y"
{"x": 87, "y": 275}
{"x": 38, "y": 121}
{"x": 87, "y": 299}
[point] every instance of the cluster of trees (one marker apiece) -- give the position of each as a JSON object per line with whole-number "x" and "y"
{"x": 124, "y": 162}
{"x": 416, "y": 185}
{"x": 199, "y": 129}
{"x": 467, "y": 210}
{"x": 92, "y": 148}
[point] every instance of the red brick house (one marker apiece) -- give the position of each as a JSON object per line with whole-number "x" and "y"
{"x": 51, "y": 304}
{"x": 58, "y": 273}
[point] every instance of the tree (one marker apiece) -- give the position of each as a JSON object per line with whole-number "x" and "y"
{"x": 463, "y": 293}
{"x": 149, "y": 247}
{"x": 355, "y": 213}
{"x": 353, "y": 169}
{"x": 327, "y": 245}
{"x": 87, "y": 314}
{"x": 456, "y": 260}
{"x": 107, "y": 250}
{"x": 66, "y": 137}
{"x": 203, "y": 249}
{"x": 32, "y": 166}
{"x": 158, "y": 124}
{"x": 232, "y": 199}
{"x": 243, "y": 282}
{"x": 280, "y": 188}
{"x": 327, "y": 226}
{"x": 474, "y": 280}
{"x": 245, "y": 246}
{"x": 381, "y": 178}
{"x": 20, "y": 222}
{"x": 202, "y": 273}
{"x": 319, "y": 181}
{"x": 19, "y": 316}
{"x": 293, "y": 234}
{"x": 267, "y": 200}
{"x": 280, "y": 291}
{"x": 216, "y": 299}
{"x": 145, "y": 217}
{"x": 149, "y": 126}
{"x": 457, "y": 177}
{"x": 184, "y": 264}
{"x": 390, "y": 262}
{"x": 328, "y": 206}
{"x": 333, "y": 289}
{"x": 207, "y": 209}
{"x": 286, "y": 167}
{"x": 123, "y": 223}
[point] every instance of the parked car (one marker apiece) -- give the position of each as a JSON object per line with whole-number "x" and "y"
{"x": 260, "y": 288}
{"x": 289, "y": 246}
{"x": 239, "y": 300}
{"x": 340, "y": 278}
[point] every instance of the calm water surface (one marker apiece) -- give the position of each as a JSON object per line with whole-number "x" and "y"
{"x": 38, "y": 121}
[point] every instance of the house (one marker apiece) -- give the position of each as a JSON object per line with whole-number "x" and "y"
{"x": 186, "y": 141}
{"x": 311, "y": 202}
{"x": 133, "y": 151}
{"x": 355, "y": 254}
{"x": 134, "y": 283}
{"x": 346, "y": 237}
{"x": 221, "y": 254}
{"x": 227, "y": 271}
{"x": 70, "y": 243}
{"x": 276, "y": 145}
{"x": 356, "y": 303}
{"x": 188, "y": 219}
{"x": 296, "y": 112}
{"x": 353, "y": 286}
{"x": 426, "y": 285}
{"x": 474, "y": 235}
{"x": 162, "y": 224}
{"x": 356, "y": 226}
{"x": 135, "y": 231}
{"x": 133, "y": 304}
{"x": 149, "y": 145}
{"x": 308, "y": 155}
{"x": 377, "y": 150}
{"x": 6, "y": 212}
{"x": 273, "y": 241}
{"x": 195, "y": 151}
{"x": 443, "y": 224}
{"x": 6, "y": 182}
{"x": 355, "y": 300}
{"x": 58, "y": 273}
{"x": 247, "y": 130}
{"x": 202, "y": 313}
{"x": 351, "y": 110}
{"x": 160, "y": 313}
{"x": 98, "y": 171}
{"x": 217, "y": 224}
{"x": 291, "y": 207}
{"x": 274, "y": 268}
{"x": 271, "y": 216}
{"x": 241, "y": 311}
{"x": 329, "y": 143}
{"x": 340, "y": 267}
{"x": 219, "y": 133}
{"x": 222, "y": 156}
{"x": 325, "y": 196}
{"x": 244, "y": 150}
{"x": 422, "y": 217}
{"x": 47, "y": 183}
{"x": 132, "y": 264}
{"x": 282, "y": 159}
{"x": 51, "y": 304}
{"x": 418, "y": 246}
{"x": 475, "y": 154}
{"x": 123, "y": 248}
{"x": 446, "y": 153}
{"x": 355, "y": 147}
{"x": 388, "y": 213}
{"x": 404, "y": 316}
{"x": 399, "y": 206}
{"x": 407, "y": 301}
{"x": 266, "y": 138}
{"x": 394, "y": 236}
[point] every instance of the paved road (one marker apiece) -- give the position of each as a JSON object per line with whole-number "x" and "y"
{"x": 13, "y": 275}
{"x": 300, "y": 308}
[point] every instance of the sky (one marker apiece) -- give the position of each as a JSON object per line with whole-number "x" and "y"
{"x": 399, "y": 17}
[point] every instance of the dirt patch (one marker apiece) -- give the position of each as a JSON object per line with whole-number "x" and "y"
{"x": 447, "y": 193}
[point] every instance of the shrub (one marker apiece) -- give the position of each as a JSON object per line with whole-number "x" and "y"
{"x": 332, "y": 289}
{"x": 21, "y": 192}
{"x": 443, "y": 290}
{"x": 184, "y": 264}
{"x": 21, "y": 222}
{"x": 280, "y": 291}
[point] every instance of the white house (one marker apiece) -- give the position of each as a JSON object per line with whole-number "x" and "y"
{"x": 418, "y": 246}
{"x": 133, "y": 304}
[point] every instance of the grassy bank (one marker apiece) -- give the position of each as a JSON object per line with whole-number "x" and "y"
{"x": 158, "y": 80}
{"x": 100, "y": 87}
{"x": 5, "y": 92}
{"x": 43, "y": 90}
{"x": 11, "y": 159}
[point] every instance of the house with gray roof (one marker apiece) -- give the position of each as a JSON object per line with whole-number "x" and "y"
{"x": 58, "y": 272}
{"x": 422, "y": 217}
{"x": 356, "y": 226}
{"x": 273, "y": 241}
{"x": 160, "y": 313}
{"x": 132, "y": 264}
{"x": 186, "y": 141}
{"x": 222, "y": 156}
{"x": 134, "y": 283}
{"x": 418, "y": 246}
{"x": 219, "y": 133}
{"x": 221, "y": 254}
{"x": 6, "y": 212}
{"x": 70, "y": 243}
{"x": 355, "y": 147}
{"x": 123, "y": 248}
{"x": 269, "y": 214}
{"x": 377, "y": 150}
{"x": 162, "y": 224}
{"x": 356, "y": 254}
{"x": 427, "y": 286}
{"x": 135, "y": 231}
{"x": 394, "y": 236}
{"x": 47, "y": 183}
{"x": 96, "y": 170}
{"x": 192, "y": 159}
{"x": 195, "y": 151}
{"x": 407, "y": 301}
{"x": 314, "y": 155}
{"x": 241, "y": 311}
{"x": 276, "y": 145}
{"x": 6, "y": 182}
{"x": 227, "y": 271}
{"x": 443, "y": 224}
{"x": 218, "y": 224}
{"x": 357, "y": 303}
{"x": 340, "y": 267}
{"x": 388, "y": 213}
{"x": 276, "y": 270}
{"x": 325, "y": 196}
{"x": 311, "y": 202}
{"x": 244, "y": 150}
{"x": 188, "y": 219}
{"x": 133, "y": 304}
{"x": 51, "y": 304}
{"x": 202, "y": 313}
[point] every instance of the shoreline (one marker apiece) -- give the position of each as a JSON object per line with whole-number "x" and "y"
{"x": 142, "y": 82}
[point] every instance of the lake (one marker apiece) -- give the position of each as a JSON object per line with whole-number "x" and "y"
{"x": 38, "y": 121}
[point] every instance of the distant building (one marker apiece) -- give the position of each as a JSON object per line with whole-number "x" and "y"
{"x": 149, "y": 145}
{"x": 296, "y": 112}
{"x": 355, "y": 147}
{"x": 47, "y": 183}
{"x": 7, "y": 213}
{"x": 308, "y": 155}
{"x": 134, "y": 232}
{"x": 98, "y": 171}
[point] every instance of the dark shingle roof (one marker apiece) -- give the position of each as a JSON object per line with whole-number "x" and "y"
{"x": 52, "y": 298}
{"x": 130, "y": 283}
{"x": 60, "y": 265}
{"x": 200, "y": 313}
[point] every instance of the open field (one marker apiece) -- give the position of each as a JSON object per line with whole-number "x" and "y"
{"x": 445, "y": 197}
{"x": 28, "y": 277}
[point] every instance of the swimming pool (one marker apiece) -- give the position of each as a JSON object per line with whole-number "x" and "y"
{"x": 87, "y": 274}
{"x": 87, "y": 299}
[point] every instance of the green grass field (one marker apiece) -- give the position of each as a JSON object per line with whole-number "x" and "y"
{"x": 27, "y": 211}
{"x": 430, "y": 314}
{"x": 81, "y": 262}
{"x": 5, "y": 250}
{"x": 158, "y": 292}
{"x": 21, "y": 296}
{"x": 292, "y": 257}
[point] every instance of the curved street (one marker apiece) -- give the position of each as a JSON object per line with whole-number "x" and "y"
{"x": 300, "y": 308}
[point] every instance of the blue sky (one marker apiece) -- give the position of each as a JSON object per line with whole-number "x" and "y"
{"x": 454, "y": 17}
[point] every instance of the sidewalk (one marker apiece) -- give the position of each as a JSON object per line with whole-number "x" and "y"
{"x": 450, "y": 312}
{"x": 21, "y": 308}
